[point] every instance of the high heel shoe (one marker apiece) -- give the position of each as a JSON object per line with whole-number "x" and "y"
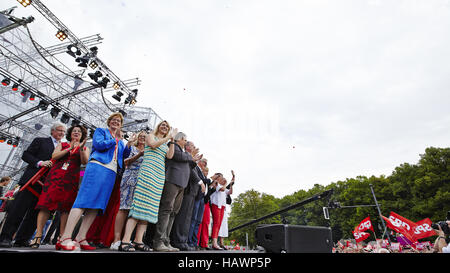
{"x": 86, "y": 247}
{"x": 36, "y": 244}
{"x": 59, "y": 246}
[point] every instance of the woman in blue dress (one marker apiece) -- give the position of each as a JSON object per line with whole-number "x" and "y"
{"x": 106, "y": 158}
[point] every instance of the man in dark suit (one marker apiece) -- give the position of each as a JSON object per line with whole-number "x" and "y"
{"x": 178, "y": 170}
{"x": 199, "y": 204}
{"x": 182, "y": 222}
{"x": 22, "y": 216}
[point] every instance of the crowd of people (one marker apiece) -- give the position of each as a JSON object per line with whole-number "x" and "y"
{"x": 150, "y": 193}
{"x": 394, "y": 245}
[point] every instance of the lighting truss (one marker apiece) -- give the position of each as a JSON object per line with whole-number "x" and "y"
{"x": 54, "y": 84}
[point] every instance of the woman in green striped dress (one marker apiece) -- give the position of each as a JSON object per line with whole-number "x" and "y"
{"x": 149, "y": 186}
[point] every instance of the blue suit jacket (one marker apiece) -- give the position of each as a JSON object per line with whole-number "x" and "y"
{"x": 103, "y": 144}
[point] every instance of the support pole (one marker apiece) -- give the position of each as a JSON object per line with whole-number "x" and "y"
{"x": 379, "y": 212}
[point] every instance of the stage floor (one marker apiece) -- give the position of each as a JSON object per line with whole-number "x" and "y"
{"x": 51, "y": 249}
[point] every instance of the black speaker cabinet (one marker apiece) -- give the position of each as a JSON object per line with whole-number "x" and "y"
{"x": 294, "y": 239}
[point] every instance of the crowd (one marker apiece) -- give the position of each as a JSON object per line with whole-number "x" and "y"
{"x": 150, "y": 193}
{"x": 397, "y": 244}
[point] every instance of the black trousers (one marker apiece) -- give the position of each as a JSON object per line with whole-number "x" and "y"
{"x": 180, "y": 230}
{"x": 22, "y": 217}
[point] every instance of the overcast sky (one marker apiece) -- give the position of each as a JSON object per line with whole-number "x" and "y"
{"x": 286, "y": 93}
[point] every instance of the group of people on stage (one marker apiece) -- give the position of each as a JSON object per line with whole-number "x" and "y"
{"x": 155, "y": 184}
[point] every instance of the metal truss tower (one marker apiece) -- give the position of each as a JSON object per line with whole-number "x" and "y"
{"x": 36, "y": 82}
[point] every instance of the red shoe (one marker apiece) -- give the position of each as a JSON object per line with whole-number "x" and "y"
{"x": 86, "y": 247}
{"x": 59, "y": 246}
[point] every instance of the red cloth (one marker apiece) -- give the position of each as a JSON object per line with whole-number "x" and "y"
{"x": 61, "y": 185}
{"x": 217, "y": 215}
{"x": 102, "y": 229}
{"x": 203, "y": 229}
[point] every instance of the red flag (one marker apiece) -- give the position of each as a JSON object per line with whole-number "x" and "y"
{"x": 360, "y": 236}
{"x": 423, "y": 229}
{"x": 392, "y": 223}
{"x": 365, "y": 225}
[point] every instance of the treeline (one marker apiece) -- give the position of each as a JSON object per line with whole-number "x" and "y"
{"x": 415, "y": 191}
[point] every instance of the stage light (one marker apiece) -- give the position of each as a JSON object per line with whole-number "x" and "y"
{"x": 9, "y": 142}
{"x": 128, "y": 99}
{"x": 24, "y": 92}
{"x": 6, "y": 81}
{"x": 118, "y": 96}
{"x": 61, "y": 35}
{"x": 15, "y": 142}
{"x": 65, "y": 118}
{"x": 43, "y": 105}
{"x": 93, "y": 65}
{"x": 83, "y": 61}
{"x": 24, "y": 3}
{"x": 32, "y": 97}
{"x": 116, "y": 86}
{"x": 2, "y": 140}
{"x": 124, "y": 114}
{"x": 16, "y": 85}
{"x": 104, "y": 82}
{"x": 76, "y": 122}
{"x": 95, "y": 76}
{"x": 73, "y": 51}
{"x": 54, "y": 112}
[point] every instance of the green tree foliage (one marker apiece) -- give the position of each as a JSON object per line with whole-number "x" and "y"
{"x": 415, "y": 191}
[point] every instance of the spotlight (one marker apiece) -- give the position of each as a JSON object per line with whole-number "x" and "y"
{"x": 104, "y": 82}
{"x": 15, "y": 142}
{"x": 118, "y": 96}
{"x": 128, "y": 99}
{"x": 76, "y": 121}
{"x": 2, "y": 139}
{"x": 6, "y": 81}
{"x": 9, "y": 142}
{"x": 83, "y": 61}
{"x": 24, "y": 3}
{"x": 93, "y": 65}
{"x": 124, "y": 114}
{"x": 32, "y": 97}
{"x": 54, "y": 112}
{"x": 65, "y": 118}
{"x": 43, "y": 105}
{"x": 24, "y": 92}
{"x": 61, "y": 35}
{"x": 116, "y": 86}
{"x": 95, "y": 76}
{"x": 73, "y": 51}
{"x": 15, "y": 86}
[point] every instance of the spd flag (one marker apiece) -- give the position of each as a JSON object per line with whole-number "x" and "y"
{"x": 365, "y": 224}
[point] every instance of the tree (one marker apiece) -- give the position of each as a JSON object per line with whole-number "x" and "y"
{"x": 249, "y": 206}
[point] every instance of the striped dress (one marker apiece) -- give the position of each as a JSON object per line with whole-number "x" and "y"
{"x": 149, "y": 186}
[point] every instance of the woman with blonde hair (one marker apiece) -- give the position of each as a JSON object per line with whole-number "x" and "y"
{"x": 149, "y": 186}
{"x": 106, "y": 158}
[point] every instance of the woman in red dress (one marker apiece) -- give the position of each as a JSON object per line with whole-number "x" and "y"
{"x": 62, "y": 182}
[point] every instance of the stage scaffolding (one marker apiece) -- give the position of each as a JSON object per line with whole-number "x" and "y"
{"x": 49, "y": 78}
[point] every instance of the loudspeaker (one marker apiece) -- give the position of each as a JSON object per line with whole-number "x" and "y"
{"x": 279, "y": 238}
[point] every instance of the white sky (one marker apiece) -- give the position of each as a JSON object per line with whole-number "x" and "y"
{"x": 357, "y": 87}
